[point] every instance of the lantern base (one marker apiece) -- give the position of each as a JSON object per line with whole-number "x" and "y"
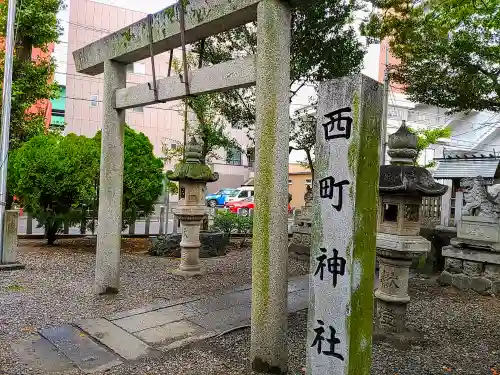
{"x": 200, "y": 272}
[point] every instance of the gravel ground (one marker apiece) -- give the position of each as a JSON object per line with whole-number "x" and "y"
{"x": 56, "y": 286}
{"x": 453, "y": 332}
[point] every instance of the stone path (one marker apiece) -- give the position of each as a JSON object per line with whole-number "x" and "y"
{"x": 99, "y": 344}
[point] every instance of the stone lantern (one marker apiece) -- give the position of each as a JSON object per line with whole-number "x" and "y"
{"x": 402, "y": 186}
{"x": 300, "y": 244}
{"x": 192, "y": 175}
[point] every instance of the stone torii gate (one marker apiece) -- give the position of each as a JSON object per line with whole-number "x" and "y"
{"x": 269, "y": 70}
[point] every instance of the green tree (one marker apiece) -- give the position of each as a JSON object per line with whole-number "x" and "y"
{"x": 142, "y": 176}
{"x": 449, "y": 50}
{"x": 303, "y": 135}
{"x": 209, "y": 128}
{"x": 36, "y": 26}
{"x": 323, "y": 46}
{"x": 427, "y": 137}
{"x": 54, "y": 178}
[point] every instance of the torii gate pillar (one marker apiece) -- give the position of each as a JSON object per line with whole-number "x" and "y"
{"x": 270, "y": 241}
{"x": 107, "y": 271}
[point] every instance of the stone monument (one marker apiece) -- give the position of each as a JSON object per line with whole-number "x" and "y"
{"x": 402, "y": 186}
{"x": 472, "y": 260}
{"x": 344, "y": 216}
{"x": 8, "y": 261}
{"x": 192, "y": 175}
{"x": 301, "y": 231}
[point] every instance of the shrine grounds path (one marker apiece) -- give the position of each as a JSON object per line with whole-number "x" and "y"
{"x": 453, "y": 332}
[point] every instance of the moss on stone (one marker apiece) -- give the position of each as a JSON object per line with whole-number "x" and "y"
{"x": 263, "y": 192}
{"x": 367, "y": 176}
{"x": 192, "y": 172}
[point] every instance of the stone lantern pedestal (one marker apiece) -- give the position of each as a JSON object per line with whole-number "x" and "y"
{"x": 472, "y": 260}
{"x": 395, "y": 255}
{"x": 192, "y": 175}
{"x": 401, "y": 188}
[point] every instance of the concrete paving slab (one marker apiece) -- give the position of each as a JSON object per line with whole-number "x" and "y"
{"x": 152, "y": 319}
{"x": 209, "y": 304}
{"x": 39, "y": 354}
{"x": 169, "y": 332}
{"x": 86, "y": 354}
{"x": 224, "y": 320}
{"x": 120, "y": 341}
{"x": 152, "y": 307}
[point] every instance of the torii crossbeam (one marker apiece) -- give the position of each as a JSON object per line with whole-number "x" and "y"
{"x": 269, "y": 69}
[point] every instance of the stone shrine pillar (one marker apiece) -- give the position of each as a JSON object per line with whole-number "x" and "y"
{"x": 339, "y": 332}
{"x": 402, "y": 186}
{"x": 9, "y": 255}
{"x": 192, "y": 175}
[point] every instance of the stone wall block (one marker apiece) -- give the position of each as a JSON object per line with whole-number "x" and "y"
{"x": 472, "y": 269}
{"x": 492, "y": 271}
{"x": 461, "y": 281}
{"x": 453, "y": 265}
{"x": 495, "y": 288}
{"x": 481, "y": 285}
{"x": 445, "y": 279}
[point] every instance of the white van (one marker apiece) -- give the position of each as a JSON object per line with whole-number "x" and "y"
{"x": 243, "y": 192}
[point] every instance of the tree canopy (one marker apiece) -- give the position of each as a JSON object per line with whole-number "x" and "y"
{"x": 36, "y": 26}
{"x": 323, "y": 46}
{"x": 449, "y": 50}
{"x": 427, "y": 137}
{"x": 54, "y": 177}
{"x": 142, "y": 176}
{"x": 303, "y": 135}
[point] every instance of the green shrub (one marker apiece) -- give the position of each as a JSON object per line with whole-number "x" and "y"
{"x": 245, "y": 227}
{"x": 232, "y": 223}
{"x": 244, "y": 224}
{"x": 225, "y": 221}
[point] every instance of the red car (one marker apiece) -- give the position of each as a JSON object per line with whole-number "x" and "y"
{"x": 244, "y": 206}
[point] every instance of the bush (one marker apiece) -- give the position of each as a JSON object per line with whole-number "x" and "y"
{"x": 245, "y": 227}
{"x": 54, "y": 178}
{"x": 231, "y": 223}
{"x": 226, "y": 222}
{"x": 142, "y": 176}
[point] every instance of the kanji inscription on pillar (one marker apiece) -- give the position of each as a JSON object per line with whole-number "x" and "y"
{"x": 347, "y": 145}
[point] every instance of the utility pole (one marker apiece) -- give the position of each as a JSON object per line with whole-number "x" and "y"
{"x": 166, "y": 203}
{"x": 385, "y": 112}
{"x": 6, "y": 103}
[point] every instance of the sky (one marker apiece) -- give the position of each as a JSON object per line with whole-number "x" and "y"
{"x": 371, "y": 61}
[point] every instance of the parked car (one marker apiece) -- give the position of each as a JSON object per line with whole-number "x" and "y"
{"x": 244, "y": 206}
{"x": 243, "y": 193}
{"x": 219, "y": 198}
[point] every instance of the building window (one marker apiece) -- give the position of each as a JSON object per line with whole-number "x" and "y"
{"x": 393, "y": 112}
{"x": 138, "y": 109}
{"x": 173, "y": 146}
{"x": 94, "y": 100}
{"x": 309, "y": 181}
{"x": 136, "y": 68}
{"x": 289, "y": 182}
{"x": 234, "y": 157}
